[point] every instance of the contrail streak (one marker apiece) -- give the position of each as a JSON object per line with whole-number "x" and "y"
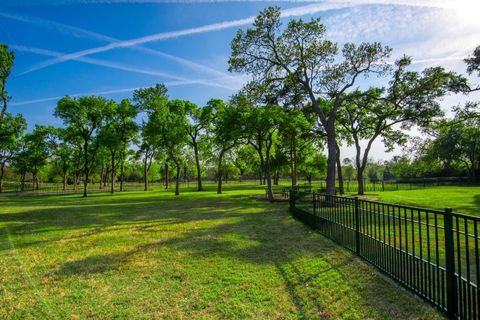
{"x": 79, "y": 32}
{"x": 115, "y": 66}
{"x": 292, "y": 12}
{"x": 107, "y": 92}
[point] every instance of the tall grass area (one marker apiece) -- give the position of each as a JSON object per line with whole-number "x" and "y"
{"x": 151, "y": 255}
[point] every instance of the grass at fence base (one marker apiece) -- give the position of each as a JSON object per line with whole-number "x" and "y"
{"x": 153, "y": 255}
{"x": 462, "y": 199}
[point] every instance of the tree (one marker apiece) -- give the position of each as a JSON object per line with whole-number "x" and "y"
{"x": 150, "y": 100}
{"x": 35, "y": 151}
{"x": 11, "y": 131}
{"x": 300, "y": 56}
{"x": 117, "y": 133}
{"x": 6, "y": 64}
{"x": 84, "y": 117}
{"x": 313, "y": 165}
{"x": 64, "y": 154}
{"x": 473, "y": 63}
{"x": 225, "y": 132}
{"x": 297, "y": 132}
{"x": 171, "y": 123}
{"x": 411, "y": 99}
{"x": 457, "y": 142}
{"x": 260, "y": 125}
{"x": 198, "y": 122}
{"x": 245, "y": 159}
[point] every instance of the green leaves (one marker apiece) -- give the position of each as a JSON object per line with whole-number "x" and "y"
{"x": 7, "y": 58}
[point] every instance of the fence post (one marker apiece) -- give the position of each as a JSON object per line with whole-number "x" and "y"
{"x": 314, "y": 204}
{"x": 290, "y": 197}
{"x": 357, "y": 227}
{"x": 452, "y": 294}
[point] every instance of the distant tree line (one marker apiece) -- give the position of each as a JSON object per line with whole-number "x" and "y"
{"x": 304, "y": 95}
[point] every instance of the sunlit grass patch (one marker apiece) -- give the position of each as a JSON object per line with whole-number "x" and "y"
{"x": 151, "y": 255}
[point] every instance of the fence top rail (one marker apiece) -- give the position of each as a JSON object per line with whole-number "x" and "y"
{"x": 436, "y": 211}
{"x": 466, "y": 216}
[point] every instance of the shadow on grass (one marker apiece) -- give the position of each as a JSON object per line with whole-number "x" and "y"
{"x": 228, "y": 226}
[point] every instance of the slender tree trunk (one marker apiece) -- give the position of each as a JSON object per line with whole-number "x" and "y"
{"x": 34, "y": 182}
{"x": 293, "y": 159}
{"x": 199, "y": 170}
{"x": 220, "y": 173}
{"x": 75, "y": 181}
{"x": 2, "y": 172}
{"x": 22, "y": 181}
{"x": 85, "y": 168}
{"x": 64, "y": 188}
{"x": 102, "y": 168}
{"x": 339, "y": 172}
{"x": 166, "y": 175}
{"x": 268, "y": 175}
{"x": 122, "y": 172}
{"x": 105, "y": 177}
{"x": 112, "y": 178}
{"x": 177, "y": 180}
{"x": 145, "y": 173}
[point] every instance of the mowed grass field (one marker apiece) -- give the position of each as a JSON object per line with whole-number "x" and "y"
{"x": 151, "y": 255}
{"x": 462, "y": 199}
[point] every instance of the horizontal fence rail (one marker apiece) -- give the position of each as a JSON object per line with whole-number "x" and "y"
{"x": 433, "y": 253}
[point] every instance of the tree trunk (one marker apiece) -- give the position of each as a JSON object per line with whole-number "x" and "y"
{"x": 293, "y": 159}
{"x": 339, "y": 172}
{"x": 85, "y": 168}
{"x": 2, "y": 172}
{"x": 145, "y": 173}
{"x": 22, "y": 181}
{"x": 122, "y": 172}
{"x": 105, "y": 177}
{"x": 166, "y": 175}
{"x": 199, "y": 170}
{"x": 112, "y": 177}
{"x": 220, "y": 174}
{"x": 75, "y": 181}
{"x": 64, "y": 181}
{"x": 332, "y": 156}
{"x": 268, "y": 176}
{"x": 361, "y": 189}
{"x": 177, "y": 180}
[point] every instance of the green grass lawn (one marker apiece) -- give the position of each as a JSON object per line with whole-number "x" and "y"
{"x": 461, "y": 199}
{"x": 151, "y": 255}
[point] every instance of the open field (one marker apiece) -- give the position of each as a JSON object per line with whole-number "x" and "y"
{"x": 151, "y": 255}
{"x": 461, "y": 199}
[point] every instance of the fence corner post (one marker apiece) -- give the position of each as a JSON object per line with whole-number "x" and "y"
{"x": 357, "y": 226}
{"x": 452, "y": 294}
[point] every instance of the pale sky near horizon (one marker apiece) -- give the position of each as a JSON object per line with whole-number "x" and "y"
{"x": 111, "y": 47}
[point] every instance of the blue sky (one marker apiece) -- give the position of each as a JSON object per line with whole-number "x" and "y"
{"x": 110, "y": 47}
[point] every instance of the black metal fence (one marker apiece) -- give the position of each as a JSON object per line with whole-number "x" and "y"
{"x": 433, "y": 253}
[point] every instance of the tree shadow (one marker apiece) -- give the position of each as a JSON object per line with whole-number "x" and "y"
{"x": 231, "y": 227}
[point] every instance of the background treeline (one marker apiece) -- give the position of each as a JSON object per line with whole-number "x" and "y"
{"x": 304, "y": 95}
